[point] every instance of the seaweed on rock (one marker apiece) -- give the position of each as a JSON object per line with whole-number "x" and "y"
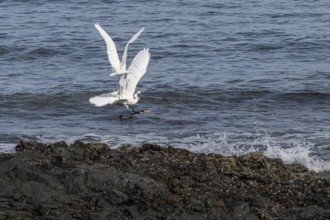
{"x": 92, "y": 181}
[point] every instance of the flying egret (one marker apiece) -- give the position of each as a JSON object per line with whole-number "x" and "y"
{"x": 126, "y": 94}
{"x": 118, "y": 67}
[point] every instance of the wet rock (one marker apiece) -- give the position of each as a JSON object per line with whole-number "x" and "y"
{"x": 91, "y": 181}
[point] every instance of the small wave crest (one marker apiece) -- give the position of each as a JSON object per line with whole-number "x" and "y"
{"x": 300, "y": 152}
{"x": 290, "y": 151}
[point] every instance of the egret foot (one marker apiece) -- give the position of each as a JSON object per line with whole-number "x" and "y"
{"x": 140, "y": 112}
{"x": 144, "y": 112}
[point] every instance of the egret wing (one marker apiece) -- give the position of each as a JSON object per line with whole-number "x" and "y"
{"x": 104, "y": 99}
{"x": 138, "y": 67}
{"x": 124, "y": 58}
{"x": 111, "y": 48}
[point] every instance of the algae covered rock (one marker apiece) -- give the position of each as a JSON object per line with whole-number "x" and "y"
{"x": 92, "y": 181}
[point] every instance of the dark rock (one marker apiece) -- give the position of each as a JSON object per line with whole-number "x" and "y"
{"x": 91, "y": 181}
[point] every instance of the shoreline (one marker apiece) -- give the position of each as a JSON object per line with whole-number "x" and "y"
{"x": 92, "y": 181}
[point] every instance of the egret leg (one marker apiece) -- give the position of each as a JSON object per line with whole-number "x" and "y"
{"x": 134, "y": 112}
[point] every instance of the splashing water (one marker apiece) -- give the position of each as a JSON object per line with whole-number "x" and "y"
{"x": 297, "y": 151}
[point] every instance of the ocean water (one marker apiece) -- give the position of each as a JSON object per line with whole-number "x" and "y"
{"x": 224, "y": 76}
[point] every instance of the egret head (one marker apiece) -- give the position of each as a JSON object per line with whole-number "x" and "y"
{"x": 136, "y": 95}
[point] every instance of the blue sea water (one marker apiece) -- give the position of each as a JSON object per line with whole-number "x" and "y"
{"x": 224, "y": 76}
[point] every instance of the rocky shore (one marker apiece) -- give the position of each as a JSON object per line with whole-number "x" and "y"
{"x": 92, "y": 181}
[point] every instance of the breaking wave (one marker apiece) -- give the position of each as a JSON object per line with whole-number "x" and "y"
{"x": 227, "y": 144}
{"x": 290, "y": 151}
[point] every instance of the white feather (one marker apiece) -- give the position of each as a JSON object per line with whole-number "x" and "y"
{"x": 119, "y": 67}
{"x": 138, "y": 67}
{"x": 111, "y": 48}
{"x": 124, "y": 58}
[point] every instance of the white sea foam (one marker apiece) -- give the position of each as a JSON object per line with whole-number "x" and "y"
{"x": 290, "y": 151}
{"x": 300, "y": 152}
{"x": 7, "y": 148}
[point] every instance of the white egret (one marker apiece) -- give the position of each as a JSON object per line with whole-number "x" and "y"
{"x": 118, "y": 67}
{"x": 126, "y": 94}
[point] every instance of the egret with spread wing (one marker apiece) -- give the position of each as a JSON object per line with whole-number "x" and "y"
{"x": 126, "y": 94}
{"x": 118, "y": 67}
